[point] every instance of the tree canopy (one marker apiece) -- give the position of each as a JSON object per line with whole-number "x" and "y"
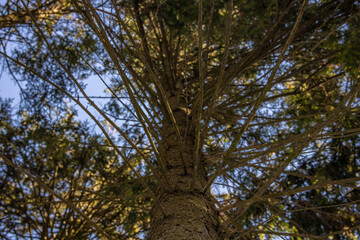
{"x": 222, "y": 119}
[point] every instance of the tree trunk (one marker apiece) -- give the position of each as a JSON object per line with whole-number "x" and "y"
{"x": 190, "y": 213}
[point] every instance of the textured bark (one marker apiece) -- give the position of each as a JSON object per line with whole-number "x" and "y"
{"x": 190, "y": 213}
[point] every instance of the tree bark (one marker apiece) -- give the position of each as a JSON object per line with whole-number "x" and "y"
{"x": 190, "y": 213}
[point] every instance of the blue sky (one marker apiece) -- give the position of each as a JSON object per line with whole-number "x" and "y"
{"x": 8, "y": 87}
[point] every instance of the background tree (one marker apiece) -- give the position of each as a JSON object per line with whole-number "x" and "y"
{"x": 244, "y": 114}
{"x": 64, "y": 156}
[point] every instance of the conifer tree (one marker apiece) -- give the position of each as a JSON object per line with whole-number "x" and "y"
{"x": 239, "y": 119}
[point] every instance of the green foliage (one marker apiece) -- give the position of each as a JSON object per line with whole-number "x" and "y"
{"x": 275, "y": 113}
{"x": 65, "y": 156}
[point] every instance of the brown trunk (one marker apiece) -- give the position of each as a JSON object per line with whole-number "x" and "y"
{"x": 190, "y": 213}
